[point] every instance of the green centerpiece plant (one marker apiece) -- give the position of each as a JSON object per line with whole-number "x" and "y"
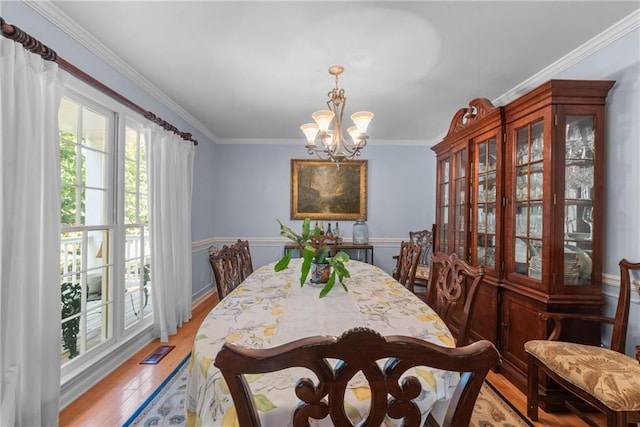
{"x": 312, "y": 255}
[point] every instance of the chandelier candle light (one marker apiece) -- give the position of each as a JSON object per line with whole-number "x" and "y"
{"x": 327, "y": 129}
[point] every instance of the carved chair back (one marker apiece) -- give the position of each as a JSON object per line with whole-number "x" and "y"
{"x": 323, "y": 240}
{"x": 226, "y": 270}
{"x": 391, "y": 394}
{"x": 621, "y": 319}
{"x": 405, "y": 271}
{"x": 244, "y": 258}
{"x": 424, "y": 239}
{"x": 619, "y": 322}
{"x": 452, "y": 291}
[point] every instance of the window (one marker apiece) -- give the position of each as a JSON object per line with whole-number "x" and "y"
{"x": 105, "y": 282}
{"x": 137, "y": 278}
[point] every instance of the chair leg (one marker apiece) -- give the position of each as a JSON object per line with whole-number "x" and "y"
{"x": 532, "y": 389}
{"x": 584, "y": 417}
{"x": 617, "y": 419}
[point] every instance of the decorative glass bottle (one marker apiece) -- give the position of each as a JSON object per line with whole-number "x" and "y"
{"x": 360, "y": 232}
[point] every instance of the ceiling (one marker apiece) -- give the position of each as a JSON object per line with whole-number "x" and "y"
{"x": 244, "y": 71}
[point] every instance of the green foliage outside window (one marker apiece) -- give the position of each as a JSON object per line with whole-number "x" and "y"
{"x": 68, "y": 179}
{"x": 135, "y": 178}
{"x": 71, "y": 305}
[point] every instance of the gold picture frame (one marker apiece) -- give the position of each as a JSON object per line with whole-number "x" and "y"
{"x": 319, "y": 190}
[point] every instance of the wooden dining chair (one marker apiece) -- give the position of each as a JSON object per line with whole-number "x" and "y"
{"x": 407, "y": 263}
{"x": 226, "y": 270}
{"x": 605, "y": 378}
{"x": 392, "y": 393}
{"x": 323, "y": 240}
{"x": 451, "y": 292}
{"x": 424, "y": 239}
{"x": 244, "y": 258}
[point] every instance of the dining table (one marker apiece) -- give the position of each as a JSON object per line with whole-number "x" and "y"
{"x": 271, "y": 308}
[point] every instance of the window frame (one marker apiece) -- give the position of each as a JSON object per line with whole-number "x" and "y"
{"x": 121, "y": 116}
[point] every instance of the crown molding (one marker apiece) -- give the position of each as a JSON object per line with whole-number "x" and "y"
{"x": 623, "y": 27}
{"x": 300, "y": 141}
{"x": 53, "y": 14}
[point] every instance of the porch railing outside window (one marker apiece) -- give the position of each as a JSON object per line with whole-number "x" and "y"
{"x": 83, "y": 332}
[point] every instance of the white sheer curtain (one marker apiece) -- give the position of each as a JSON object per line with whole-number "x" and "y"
{"x": 30, "y": 94}
{"x": 171, "y": 183}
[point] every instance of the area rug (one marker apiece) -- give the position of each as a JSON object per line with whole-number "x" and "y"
{"x": 493, "y": 409}
{"x": 165, "y": 407}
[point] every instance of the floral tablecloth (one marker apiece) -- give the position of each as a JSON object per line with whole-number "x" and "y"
{"x": 270, "y": 308}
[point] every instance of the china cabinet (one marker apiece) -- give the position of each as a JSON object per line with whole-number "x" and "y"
{"x": 521, "y": 190}
{"x": 473, "y": 143}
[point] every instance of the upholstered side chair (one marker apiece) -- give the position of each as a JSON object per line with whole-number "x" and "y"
{"x": 424, "y": 239}
{"x": 605, "y": 378}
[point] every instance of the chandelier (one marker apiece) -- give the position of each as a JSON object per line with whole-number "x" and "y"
{"x": 325, "y": 137}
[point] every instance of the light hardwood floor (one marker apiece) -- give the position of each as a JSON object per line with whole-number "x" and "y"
{"x": 113, "y": 400}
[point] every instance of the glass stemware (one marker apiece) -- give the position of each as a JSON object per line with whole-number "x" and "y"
{"x": 579, "y": 177}
{"x": 587, "y": 143}
{"x": 587, "y": 217}
{"x": 573, "y": 141}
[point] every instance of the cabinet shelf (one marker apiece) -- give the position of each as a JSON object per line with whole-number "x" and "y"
{"x": 579, "y": 162}
{"x": 578, "y": 202}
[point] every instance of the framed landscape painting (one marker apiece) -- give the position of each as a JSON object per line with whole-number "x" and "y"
{"x": 319, "y": 190}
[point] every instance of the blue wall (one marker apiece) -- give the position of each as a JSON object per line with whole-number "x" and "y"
{"x": 620, "y": 61}
{"x": 254, "y": 189}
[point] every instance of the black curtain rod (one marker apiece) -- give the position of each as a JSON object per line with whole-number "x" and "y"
{"x": 35, "y": 46}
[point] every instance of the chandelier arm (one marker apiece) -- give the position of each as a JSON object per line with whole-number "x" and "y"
{"x": 318, "y": 151}
{"x": 353, "y": 154}
{"x": 349, "y": 148}
{"x": 352, "y": 148}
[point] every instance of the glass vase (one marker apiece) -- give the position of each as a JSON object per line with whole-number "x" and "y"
{"x": 360, "y": 232}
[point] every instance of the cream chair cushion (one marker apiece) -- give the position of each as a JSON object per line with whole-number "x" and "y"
{"x": 422, "y": 272}
{"x": 611, "y": 377}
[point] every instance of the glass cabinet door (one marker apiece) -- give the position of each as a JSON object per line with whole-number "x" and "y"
{"x": 460, "y": 203}
{"x": 485, "y": 209}
{"x": 442, "y": 232}
{"x": 578, "y": 199}
{"x": 529, "y": 169}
